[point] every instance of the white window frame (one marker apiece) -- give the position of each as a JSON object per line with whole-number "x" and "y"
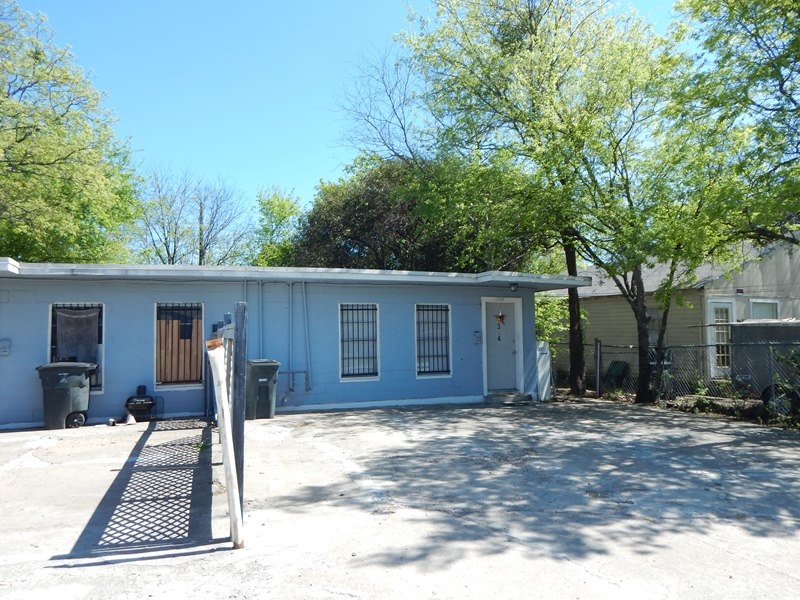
{"x": 519, "y": 349}
{"x": 377, "y": 344}
{"x": 770, "y": 301}
{"x": 714, "y": 369}
{"x": 449, "y": 345}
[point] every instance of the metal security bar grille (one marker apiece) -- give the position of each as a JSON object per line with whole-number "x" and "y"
{"x": 76, "y": 335}
{"x": 358, "y": 326}
{"x": 433, "y": 339}
{"x": 179, "y": 343}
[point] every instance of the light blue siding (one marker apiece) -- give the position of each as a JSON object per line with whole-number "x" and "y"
{"x": 397, "y": 349}
{"x": 296, "y": 324}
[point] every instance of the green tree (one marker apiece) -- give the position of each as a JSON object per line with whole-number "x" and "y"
{"x": 614, "y": 171}
{"x": 552, "y": 318}
{"x": 402, "y": 214}
{"x": 584, "y": 115}
{"x": 498, "y": 84}
{"x": 372, "y": 220}
{"x": 481, "y": 201}
{"x": 526, "y": 81}
{"x": 750, "y": 80}
{"x": 66, "y": 188}
{"x": 278, "y": 219}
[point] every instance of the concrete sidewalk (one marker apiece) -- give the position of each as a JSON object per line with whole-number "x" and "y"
{"x": 580, "y": 500}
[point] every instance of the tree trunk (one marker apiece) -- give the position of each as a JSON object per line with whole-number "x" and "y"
{"x": 643, "y": 392}
{"x": 660, "y": 354}
{"x": 577, "y": 361}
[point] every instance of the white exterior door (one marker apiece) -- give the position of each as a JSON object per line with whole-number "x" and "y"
{"x": 502, "y": 343}
{"x": 720, "y": 316}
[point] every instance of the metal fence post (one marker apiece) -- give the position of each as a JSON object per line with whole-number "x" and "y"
{"x": 771, "y": 372}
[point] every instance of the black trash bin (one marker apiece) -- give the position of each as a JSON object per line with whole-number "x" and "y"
{"x": 261, "y": 380}
{"x": 65, "y": 393}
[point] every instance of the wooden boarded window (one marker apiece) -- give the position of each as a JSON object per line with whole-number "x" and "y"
{"x": 179, "y": 343}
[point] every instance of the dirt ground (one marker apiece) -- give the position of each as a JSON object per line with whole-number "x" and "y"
{"x": 585, "y": 499}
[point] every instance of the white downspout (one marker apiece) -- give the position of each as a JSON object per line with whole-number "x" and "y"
{"x": 291, "y": 333}
{"x": 260, "y": 319}
{"x": 244, "y": 299}
{"x": 307, "y": 336}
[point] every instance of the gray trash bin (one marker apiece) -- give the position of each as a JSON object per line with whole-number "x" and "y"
{"x": 261, "y": 380}
{"x": 65, "y": 393}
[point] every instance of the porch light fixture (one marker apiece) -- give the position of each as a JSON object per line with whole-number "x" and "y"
{"x": 513, "y": 287}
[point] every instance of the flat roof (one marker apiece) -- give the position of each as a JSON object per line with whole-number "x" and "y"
{"x": 10, "y": 268}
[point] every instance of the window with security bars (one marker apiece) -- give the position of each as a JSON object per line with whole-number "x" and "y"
{"x": 179, "y": 343}
{"x": 76, "y": 335}
{"x": 358, "y": 340}
{"x": 433, "y": 339}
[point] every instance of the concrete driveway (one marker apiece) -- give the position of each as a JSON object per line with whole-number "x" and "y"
{"x": 560, "y": 500}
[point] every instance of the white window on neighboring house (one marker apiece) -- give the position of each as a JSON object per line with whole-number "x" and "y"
{"x": 358, "y": 341}
{"x": 76, "y": 335}
{"x": 433, "y": 339}
{"x": 763, "y": 309}
{"x": 719, "y": 316}
{"x": 179, "y": 343}
{"x": 722, "y": 336}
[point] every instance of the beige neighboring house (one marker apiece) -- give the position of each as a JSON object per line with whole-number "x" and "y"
{"x": 767, "y": 286}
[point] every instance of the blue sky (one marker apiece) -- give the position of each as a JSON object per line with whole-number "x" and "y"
{"x": 245, "y": 91}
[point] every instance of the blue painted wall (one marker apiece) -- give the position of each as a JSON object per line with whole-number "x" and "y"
{"x": 398, "y": 379}
{"x": 276, "y": 329}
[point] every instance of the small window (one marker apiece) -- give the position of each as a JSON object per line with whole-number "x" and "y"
{"x": 433, "y": 339}
{"x": 179, "y": 344}
{"x": 760, "y": 309}
{"x": 358, "y": 345}
{"x": 76, "y": 335}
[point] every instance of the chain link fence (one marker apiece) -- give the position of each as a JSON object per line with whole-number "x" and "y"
{"x": 560, "y": 363}
{"x": 766, "y": 371}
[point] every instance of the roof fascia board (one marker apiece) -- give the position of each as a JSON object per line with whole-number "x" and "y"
{"x": 288, "y": 275}
{"x": 8, "y": 266}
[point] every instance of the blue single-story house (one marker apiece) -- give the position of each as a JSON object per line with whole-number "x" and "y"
{"x": 343, "y": 338}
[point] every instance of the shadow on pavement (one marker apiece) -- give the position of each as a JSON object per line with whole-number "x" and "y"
{"x": 160, "y": 501}
{"x": 567, "y": 481}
